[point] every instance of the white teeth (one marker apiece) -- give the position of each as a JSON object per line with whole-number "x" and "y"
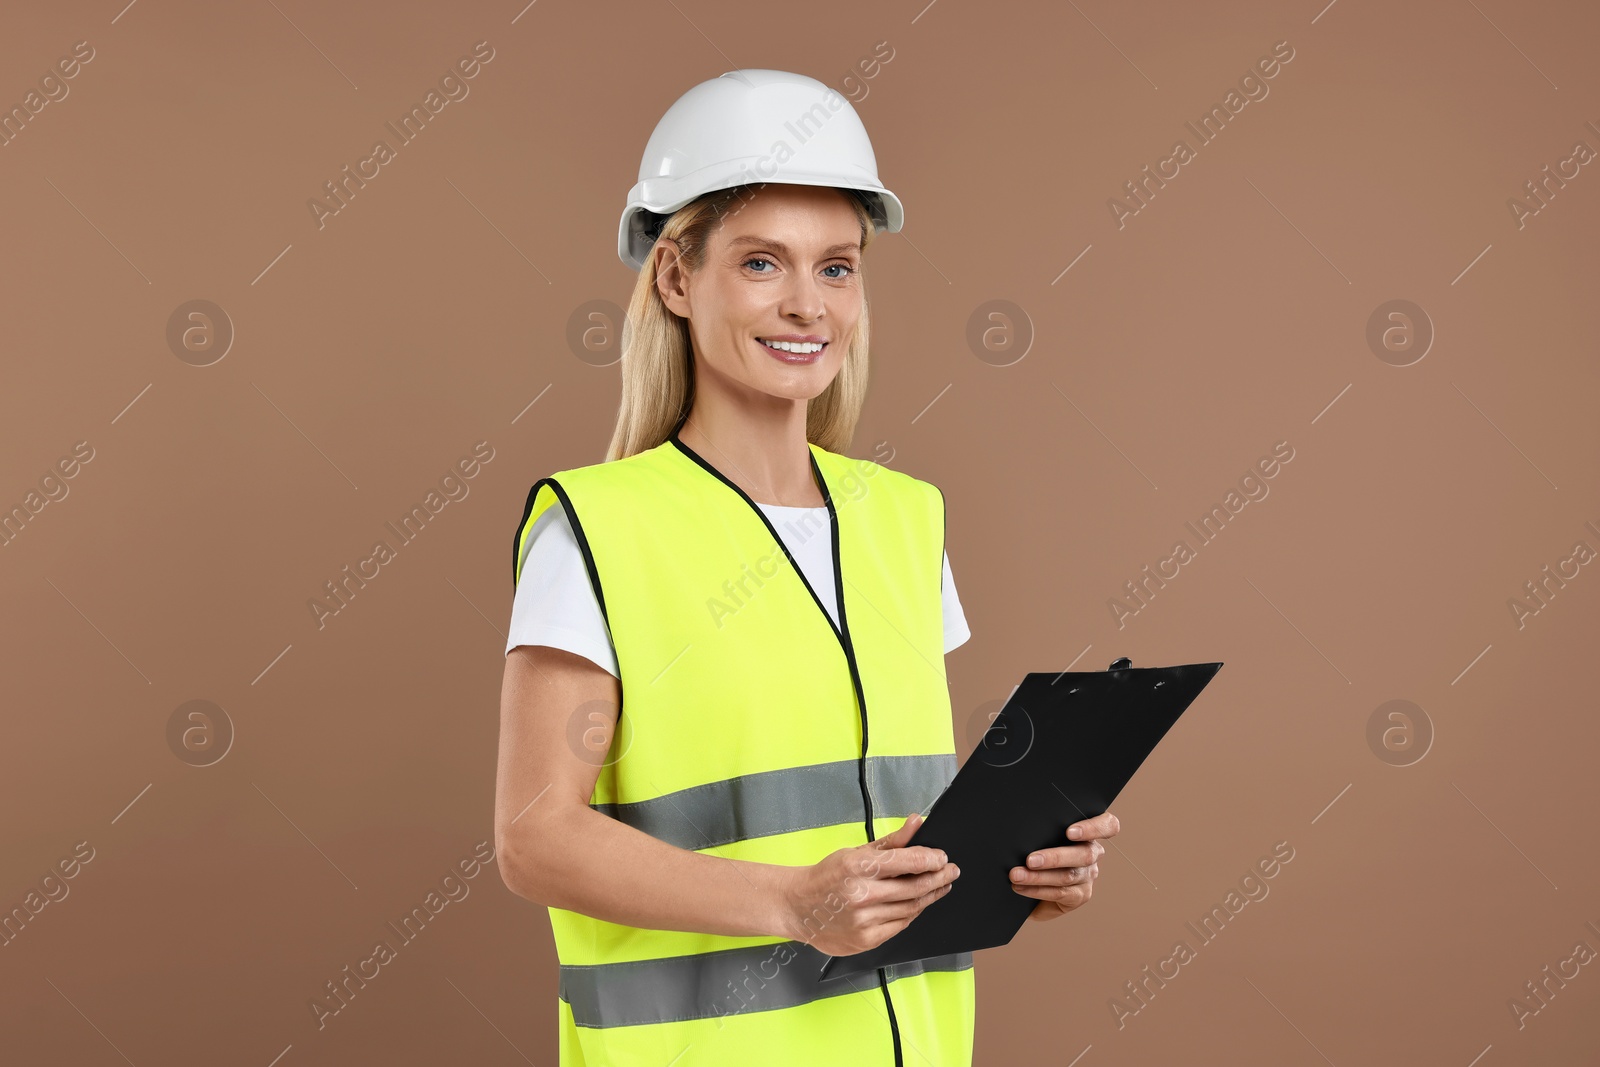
{"x": 798, "y": 347}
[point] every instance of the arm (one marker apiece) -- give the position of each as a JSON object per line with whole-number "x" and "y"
{"x": 555, "y": 850}
{"x": 560, "y": 852}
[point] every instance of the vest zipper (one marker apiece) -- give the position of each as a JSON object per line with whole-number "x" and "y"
{"x": 861, "y": 703}
{"x": 842, "y": 632}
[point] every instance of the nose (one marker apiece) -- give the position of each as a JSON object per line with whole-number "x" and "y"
{"x": 802, "y": 299}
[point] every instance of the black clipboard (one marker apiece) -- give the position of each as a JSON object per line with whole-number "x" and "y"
{"x": 1059, "y": 751}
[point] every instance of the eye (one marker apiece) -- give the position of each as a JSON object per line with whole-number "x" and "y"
{"x": 848, "y": 270}
{"x": 758, "y": 259}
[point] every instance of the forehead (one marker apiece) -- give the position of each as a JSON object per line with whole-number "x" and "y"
{"x": 802, "y": 216}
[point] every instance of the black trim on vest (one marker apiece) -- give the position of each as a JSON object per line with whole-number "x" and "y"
{"x": 833, "y": 522}
{"x": 842, "y": 632}
{"x": 516, "y": 537}
{"x": 588, "y": 562}
{"x": 577, "y": 531}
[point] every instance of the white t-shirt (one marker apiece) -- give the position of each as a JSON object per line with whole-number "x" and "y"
{"x": 555, "y": 604}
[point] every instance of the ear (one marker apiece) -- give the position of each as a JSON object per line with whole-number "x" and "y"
{"x": 671, "y": 277}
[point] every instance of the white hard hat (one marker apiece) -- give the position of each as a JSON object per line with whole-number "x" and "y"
{"x": 749, "y": 126}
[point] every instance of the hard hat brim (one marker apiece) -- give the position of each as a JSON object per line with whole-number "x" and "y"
{"x": 663, "y": 196}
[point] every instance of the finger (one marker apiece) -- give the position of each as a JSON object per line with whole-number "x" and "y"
{"x": 1105, "y": 825}
{"x": 1066, "y": 856}
{"x": 1055, "y": 876}
{"x": 903, "y": 911}
{"x": 1068, "y": 896}
{"x": 894, "y": 862}
{"x": 929, "y": 897}
{"x": 911, "y": 886}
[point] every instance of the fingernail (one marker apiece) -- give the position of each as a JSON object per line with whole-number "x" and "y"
{"x": 1035, "y": 861}
{"x": 1075, "y": 831}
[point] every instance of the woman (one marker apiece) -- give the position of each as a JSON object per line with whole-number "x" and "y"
{"x": 706, "y": 785}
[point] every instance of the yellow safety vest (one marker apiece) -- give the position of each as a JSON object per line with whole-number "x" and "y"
{"x": 754, "y": 728}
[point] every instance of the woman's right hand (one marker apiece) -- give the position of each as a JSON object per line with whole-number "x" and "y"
{"x": 857, "y": 898}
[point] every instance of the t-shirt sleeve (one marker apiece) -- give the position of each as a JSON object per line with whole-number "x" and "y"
{"x": 554, "y": 604}
{"x": 955, "y": 620}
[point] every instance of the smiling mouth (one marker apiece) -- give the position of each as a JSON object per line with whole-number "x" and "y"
{"x": 794, "y": 351}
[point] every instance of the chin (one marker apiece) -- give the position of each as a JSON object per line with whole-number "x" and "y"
{"x": 801, "y": 383}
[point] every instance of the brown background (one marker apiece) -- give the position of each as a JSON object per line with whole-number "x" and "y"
{"x": 369, "y": 354}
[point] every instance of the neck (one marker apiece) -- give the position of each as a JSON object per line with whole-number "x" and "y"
{"x": 761, "y": 450}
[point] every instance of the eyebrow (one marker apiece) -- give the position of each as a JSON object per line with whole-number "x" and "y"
{"x": 783, "y": 249}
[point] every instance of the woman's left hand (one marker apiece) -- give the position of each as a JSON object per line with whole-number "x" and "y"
{"x": 1063, "y": 878}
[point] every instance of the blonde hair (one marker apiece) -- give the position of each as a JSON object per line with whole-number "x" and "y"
{"x": 657, "y": 364}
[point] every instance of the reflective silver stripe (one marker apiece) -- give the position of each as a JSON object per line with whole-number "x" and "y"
{"x": 714, "y": 984}
{"x": 781, "y": 801}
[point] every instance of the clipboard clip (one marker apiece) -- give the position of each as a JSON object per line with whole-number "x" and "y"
{"x": 1120, "y": 665}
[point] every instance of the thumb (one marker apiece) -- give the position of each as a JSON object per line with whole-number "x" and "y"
{"x": 899, "y": 838}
